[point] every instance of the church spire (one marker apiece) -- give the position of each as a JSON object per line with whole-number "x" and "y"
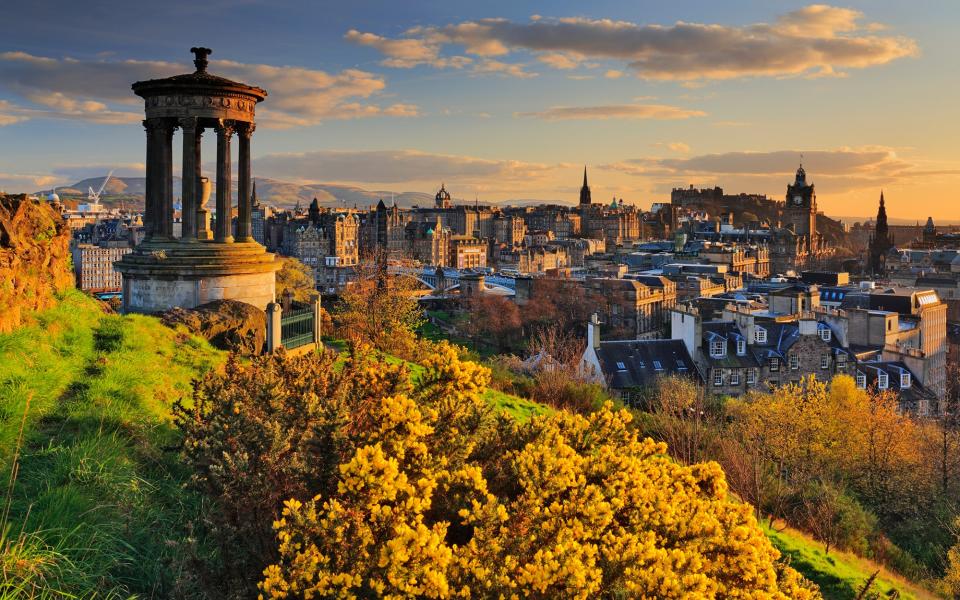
{"x": 585, "y": 190}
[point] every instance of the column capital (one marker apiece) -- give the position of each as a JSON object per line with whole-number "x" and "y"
{"x": 225, "y": 127}
{"x": 245, "y": 129}
{"x": 188, "y": 124}
{"x": 160, "y": 125}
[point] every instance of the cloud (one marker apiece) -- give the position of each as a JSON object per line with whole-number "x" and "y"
{"x": 678, "y": 147}
{"x": 397, "y": 166}
{"x": 406, "y": 53}
{"x": 815, "y": 40}
{"x": 835, "y": 171}
{"x": 99, "y": 90}
{"x": 19, "y": 183}
{"x": 615, "y": 111}
{"x": 76, "y": 172}
{"x": 613, "y": 74}
{"x": 497, "y": 67}
{"x": 560, "y": 60}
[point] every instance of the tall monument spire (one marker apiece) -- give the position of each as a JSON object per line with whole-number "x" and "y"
{"x": 585, "y": 190}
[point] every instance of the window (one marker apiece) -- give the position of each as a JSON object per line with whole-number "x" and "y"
{"x": 621, "y": 366}
{"x": 774, "y": 364}
{"x": 824, "y": 361}
{"x": 657, "y": 366}
{"x": 841, "y": 360}
{"x": 735, "y": 377}
{"x": 751, "y": 376}
{"x": 883, "y": 380}
{"x": 761, "y": 335}
{"x": 826, "y": 333}
{"x": 905, "y": 379}
{"x": 741, "y": 347}
{"x": 717, "y": 377}
{"x": 718, "y": 348}
{"x": 861, "y": 380}
{"x": 794, "y": 362}
{"x": 681, "y": 366}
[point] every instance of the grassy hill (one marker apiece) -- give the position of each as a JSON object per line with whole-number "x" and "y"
{"x": 840, "y": 575}
{"x": 97, "y": 507}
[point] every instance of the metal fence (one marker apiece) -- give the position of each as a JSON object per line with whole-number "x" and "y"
{"x": 296, "y": 326}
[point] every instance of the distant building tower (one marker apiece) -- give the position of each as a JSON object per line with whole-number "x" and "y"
{"x": 443, "y": 198}
{"x": 880, "y": 242}
{"x": 585, "y": 190}
{"x": 314, "y": 212}
{"x": 930, "y": 233}
{"x": 801, "y": 209}
{"x": 258, "y": 217}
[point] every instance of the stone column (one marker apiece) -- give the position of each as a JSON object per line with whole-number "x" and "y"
{"x": 274, "y": 327}
{"x": 188, "y": 232}
{"x": 222, "y": 232}
{"x": 153, "y": 192}
{"x": 166, "y": 205}
{"x": 244, "y": 210}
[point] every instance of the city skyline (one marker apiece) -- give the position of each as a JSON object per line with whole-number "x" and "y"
{"x": 507, "y": 103}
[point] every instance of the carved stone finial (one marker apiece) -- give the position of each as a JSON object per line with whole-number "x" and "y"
{"x": 201, "y": 55}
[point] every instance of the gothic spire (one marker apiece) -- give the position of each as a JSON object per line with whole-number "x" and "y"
{"x": 585, "y": 176}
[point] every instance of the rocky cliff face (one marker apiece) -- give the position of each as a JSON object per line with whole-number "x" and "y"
{"x": 226, "y": 324}
{"x": 34, "y": 259}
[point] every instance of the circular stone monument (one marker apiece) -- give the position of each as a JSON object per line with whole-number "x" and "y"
{"x": 200, "y": 266}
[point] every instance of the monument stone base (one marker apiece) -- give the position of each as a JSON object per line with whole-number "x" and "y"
{"x": 159, "y": 276}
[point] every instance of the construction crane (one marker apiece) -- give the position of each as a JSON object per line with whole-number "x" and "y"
{"x": 94, "y": 197}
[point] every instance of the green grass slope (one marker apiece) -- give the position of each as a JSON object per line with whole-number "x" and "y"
{"x": 98, "y": 507}
{"x": 841, "y": 575}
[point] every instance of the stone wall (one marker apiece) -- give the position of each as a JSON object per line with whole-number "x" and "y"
{"x": 34, "y": 258}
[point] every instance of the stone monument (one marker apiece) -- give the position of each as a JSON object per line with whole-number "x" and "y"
{"x": 201, "y": 266}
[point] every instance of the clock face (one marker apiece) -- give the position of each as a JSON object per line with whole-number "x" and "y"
{"x": 798, "y": 199}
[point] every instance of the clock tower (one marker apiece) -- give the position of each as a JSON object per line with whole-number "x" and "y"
{"x": 800, "y": 211}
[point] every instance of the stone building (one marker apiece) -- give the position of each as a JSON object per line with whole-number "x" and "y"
{"x": 467, "y": 252}
{"x": 881, "y": 242}
{"x": 429, "y": 243}
{"x": 93, "y": 266}
{"x": 327, "y": 242}
{"x": 628, "y": 368}
{"x": 637, "y": 309}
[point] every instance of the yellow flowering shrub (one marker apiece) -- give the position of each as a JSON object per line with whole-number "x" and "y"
{"x": 437, "y": 501}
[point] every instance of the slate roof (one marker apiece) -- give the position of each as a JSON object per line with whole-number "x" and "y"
{"x": 894, "y": 369}
{"x": 638, "y": 360}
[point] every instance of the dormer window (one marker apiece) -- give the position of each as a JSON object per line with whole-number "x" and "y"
{"x": 718, "y": 348}
{"x": 657, "y": 366}
{"x": 761, "y": 335}
{"x": 826, "y": 333}
{"x": 883, "y": 380}
{"x": 904, "y": 379}
{"x": 741, "y": 347}
{"x": 621, "y": 366}
{"x": 861, "y": 380}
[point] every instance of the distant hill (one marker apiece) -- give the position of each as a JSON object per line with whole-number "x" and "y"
{"x": 282, "y": 194}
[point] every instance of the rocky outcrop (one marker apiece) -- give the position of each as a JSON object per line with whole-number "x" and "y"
{"x": 227, "y": 324}
{"x": 34, "y": 258}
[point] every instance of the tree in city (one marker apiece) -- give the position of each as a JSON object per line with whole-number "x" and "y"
{"x": 380, "y": 309}
{"x": 296, "y": 280}
{"x": 492, "y": 320}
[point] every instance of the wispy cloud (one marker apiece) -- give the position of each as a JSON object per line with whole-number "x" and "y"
{"x": 99, "y": 90}
{"x": 839, "y": 170}
{"x": 615, "y": 111}
{"x": 817, "y": 40}
{"x": 398, "y": 166}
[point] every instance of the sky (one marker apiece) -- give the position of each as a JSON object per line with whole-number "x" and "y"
{"x": 509, "y": 100}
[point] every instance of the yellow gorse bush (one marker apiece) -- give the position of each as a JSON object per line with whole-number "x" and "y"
{"x": 437, "y": 502}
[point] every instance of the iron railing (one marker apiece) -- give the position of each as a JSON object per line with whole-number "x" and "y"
{"x": 296, "y": 326}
